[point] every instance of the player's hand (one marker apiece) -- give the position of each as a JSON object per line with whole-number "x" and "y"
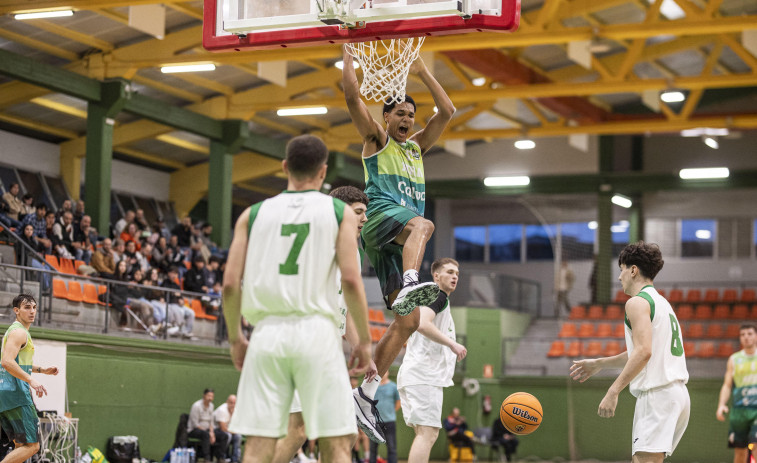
{"x": 360, "y": 359}
{"x": 212, "y": 438}
{"x": 346, "y": 57}
{"x": 722, "y": 410}
{"x": 418, "y": 66}
{"x": 581, "y": 370}
{"x": 459, "y": 350}
{"x": 238, "y": 351}
{"x": 50, "y": 371}
{"x": 608, "y": 405}
{"x": 38, "y": 388}
{"x": 372, "y": 371}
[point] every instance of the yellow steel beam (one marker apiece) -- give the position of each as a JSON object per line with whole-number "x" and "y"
{"x": 38, "y": 44}
{"x": 205, "y": 83}
{"x": 155, "y": 159}
{"x": 465, "y": 117}
{"x": 712, "y": 7}
{"x": 181, "y": 143}
{"x": 34, "y": 125}
{"x": 60, "y": 107}
{"x": 546, "y": 14}
{"x": 275, "y": 125}
{"x": 169, "y": 89}
{"x": 693, "y": 99}
{"x": 740, "y": 51}
{"x": 456, "y": 69}
{"x": 15, "y": 6}
{"x": 76, "y": 36}
{"x": 186, "y": 9}
{"x": 535, "y": 111}
{"x": 112, "y": 15}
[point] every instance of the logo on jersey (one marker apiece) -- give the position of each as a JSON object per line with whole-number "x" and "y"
{"x": 411, "y": 149}
{"x": 410, "y": 191}
{"x": 296, "y": 202}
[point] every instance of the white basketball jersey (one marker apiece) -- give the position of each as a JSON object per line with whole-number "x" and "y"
{"x": 427, "y": 362}
{"x": 668, "y": 361}
{"x": 291, "y": 257}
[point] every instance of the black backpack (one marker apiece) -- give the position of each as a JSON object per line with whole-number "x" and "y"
{"x": 181, "y": 432}
{"x": 123, "y": 451}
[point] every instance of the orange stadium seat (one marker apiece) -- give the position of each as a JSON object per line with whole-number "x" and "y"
{"x": 714, "y": 331}
{"x": 379, "y": 314}
{"x": 574, "y": 349}
{"x": 59, "y": 289}
{"x": 621, "y": 297}
{"x": 375, "y": 334}
{"x": 732, "y": 330}
{"x": 753, "y": 313}
{"x": 90, "y": 293}
{"x": 568, "y": 330}
{"x": 604, "y": 330}
{"x": 722, "y": 312}
{"x": 77, "y": 264}
{"x": 577, "y": 312}
{"x": 706, "y": 349}
{"x": 67, "y": 266}
{"x": 620, "y": 331}
{"x": 712, "y": 295}
{"x": 694, "y": 295}
{"x": 729, "y": 295}
{"x": 612, "y": 348}
{"x": 703, "y": 312}
{"x": 101, "y": 289}
{"x": 557, "y": 349}
{"x": 748, "y": 295}
{"x": 676, "y": 295}
{"x": 596, "y": 312}
{"x": 740, "y": 312}
{"x": 661, "y": 292}
{"x": 725, "y": 349}
{"x": 685, "y": 312}
{"x": 74, "y": 292}
{"x": 614, "y": 312}
{"x": 689, "y": 348}
{"x": 586, "y": 330}
{"x": 593, "y": 349}
{"x": 694, "y": 331}
{"x": 53, "y": 261}
{"x": 371, "y": 315}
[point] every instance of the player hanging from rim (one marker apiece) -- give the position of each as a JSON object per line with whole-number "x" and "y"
{"x": 396, "y": 233}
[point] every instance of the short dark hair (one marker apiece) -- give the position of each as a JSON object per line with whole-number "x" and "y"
{"x": 390, "y": 104}
{"x": 207, "y": 390}
{"x": 173, "y": 269}
{"x": 350, "y": 194}
{"x": 439, "y": 263}
{"x": 305, "y": 154}
{"x": 51, "y": 213}
{"x": 27, "y": 196}
{"x": 41, "y": 205}
{"x": 646, "y": 256}
{"x": 23, "y": 298}
{"x": 748, "y": 326}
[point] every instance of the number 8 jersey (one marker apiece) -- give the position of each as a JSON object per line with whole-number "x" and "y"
{"x": 291, "y": 268}
{"x": 668, "y": 361}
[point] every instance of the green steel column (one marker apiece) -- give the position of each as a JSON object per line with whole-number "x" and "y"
{"x": 604, "y": 222}
{"x": 220, "y": 179}
{"x": 99, "y": 146}
{"x": 636, "y": 218}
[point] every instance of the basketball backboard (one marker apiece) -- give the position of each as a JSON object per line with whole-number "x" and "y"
{"x": 264, "y": 24}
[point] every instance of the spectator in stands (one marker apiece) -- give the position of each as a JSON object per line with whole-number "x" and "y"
{"x": 563, "y": 285}
{"x": 222, "y": 416}
{"x": 196, "y": 244}
{"x": 78, "y": 211}
{"x": 63, "y": 232}
{"x": 593, "y": 281}
{"x": 65, "y": 207}
{"x": 156, "y": 298}
{"x": 119, "y": 247}
{"x": 26, "y": 257}
{"x": 214, "y": 273}
{"x": 7, "y": 221}
{"x": 180, "y": 317}
{"x": 137, "y": 302}
{"x": 85, "y": 237}
{"x": 29, "y": 208}
{"x": 37, "y": 220}
{"x": 176, "y": 256}
{"x": 13, "y": 201}
{"x": 457, "y": 430}
{"x": 501, "y": 437}
{"x": 118, "y": 292}
{"x": 130, "y": 256}
{"x": 196, "y": 278}
{"x": 131, "y": 233}
{"x": 160, "y": 254}
{"x": 102, "y": 260}
{"x": 144, "y": 257}
{"x": 123, "y": 222}
{"x": 202, "y": 426}
{"x": 163, "y": 228}
{"x": 207, "y": 230}
{"x": 141, "y": 221}
{"x": 49, "y": 223}
{"x": 183, "y": 232}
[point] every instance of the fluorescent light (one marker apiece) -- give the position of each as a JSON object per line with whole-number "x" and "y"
{"x": 711, "y": 142}
{"x": 525, "y": 144}
{"x": 188, "y": 68}
{"x": 671, "y": 10}
{"x": 707, "y": 131}
{"x": 507, "y": 181}
{"x": 593, "y": 225}
{"x": 618, "y": 229}
{"x": 306, "y": 111}
{"x": 703, "y": 234}
{"x": 672, "y": 97}
{"x": 624, "y": 223}
{"x": 707, "y": 172}
{"x": 44, "y": 14}
{"x": 478, "y": 81}
{"x": 622, "y": 201}
{"x": 340, "y": 64}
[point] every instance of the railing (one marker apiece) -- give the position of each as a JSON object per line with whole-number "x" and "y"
{"x": 497, "y": 290}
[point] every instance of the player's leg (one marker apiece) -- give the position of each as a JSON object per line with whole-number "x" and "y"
{"x": 740, "y": 454}
{"x": 420, "y": 450}
{"x": 287, "y": 446}
{"x": 646, "y": 457}
{"x": 395, "y": 337}
{"x": 414, "y": 238}
{"x": 20, "y": 425}
{"x": 21, "y": 453}
{"x": 336, "y": 449}
{"x": 259, "y": 449}
{"x": 422, "y": 410}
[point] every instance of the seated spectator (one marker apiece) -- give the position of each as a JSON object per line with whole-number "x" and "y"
{"x": 163, "y": 228}
{"x": 130, "y": 256}
{"x": 29, "y": 208}
{"x": 137, "y": 302}
{"x": 201, "y": 426}
{"x": 26, "y": 257}
{"x": 119, "y": 247}
{"x": 160, "y": 254}
{"x": 176, "y": 256}
{"x": 123, "y": 222}
{"x": 131, "y": 233}
{"x": 118, "y": 294}
{"x": 63, "y": 233}
{"x": 457, "y": 430}
{"x": 65, "y": 207}
{"x": 501, "y": 437}
{"x": 214, "y": 273}
{"x": 85, "y": 237}
{"x": 141, "y": 221}
{"x": 178, "y": 316}
{"x": 197, "y": 246}
{"x": 222, "y": 416}
{"x": 196, "y": 279}
{"x": 78, "y": 211}
{"x": 183, "y": 232}
{"x": 144, "y": 257}
{"x": 213, "y": 306}
{"x": 13, "y": 201}
{"x": 102, "y": 260}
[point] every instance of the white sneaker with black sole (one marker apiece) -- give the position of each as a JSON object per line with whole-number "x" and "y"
{"x": 414, "y": 294}
{"x": 368, "y": 418}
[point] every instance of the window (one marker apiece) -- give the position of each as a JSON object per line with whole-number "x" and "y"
{"x": 34, "y": 187}
{"x": 57, "y": 189}
{"x": 470, "y": 243}
{"x": 147, "y": 207}
{"x": 578, "y": 240}
{"x": 8, "y": 176}
{"x": 698, "y": 238}
{"x": 504, "y": 243}
{"x": 538, "y": 241}
{"x": 620, "y": 236}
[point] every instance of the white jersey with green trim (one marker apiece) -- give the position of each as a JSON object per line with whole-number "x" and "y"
{"x": 290, "y": 268}
{"x": 668, "y": 361}
{"x": 427, "y": 362}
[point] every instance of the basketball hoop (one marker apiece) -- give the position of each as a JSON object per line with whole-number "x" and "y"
{"x": 385, "y": 64}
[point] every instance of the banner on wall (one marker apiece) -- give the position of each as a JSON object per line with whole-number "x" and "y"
{"x": 49, "y": 354}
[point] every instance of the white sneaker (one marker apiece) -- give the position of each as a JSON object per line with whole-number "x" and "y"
{"x": 173, "y": 331}
{"x": 413, "y": 295}
{"x": 368, "y": 418}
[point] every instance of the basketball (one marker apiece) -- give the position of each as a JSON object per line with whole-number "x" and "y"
{"x": 521, "y": 413}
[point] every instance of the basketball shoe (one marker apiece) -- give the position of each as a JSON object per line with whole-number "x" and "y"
{"x": 368, "y": 418}
{"x": 414, "y": 294}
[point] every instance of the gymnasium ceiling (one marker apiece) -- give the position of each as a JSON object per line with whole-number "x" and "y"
{"x": 531, "y": 88}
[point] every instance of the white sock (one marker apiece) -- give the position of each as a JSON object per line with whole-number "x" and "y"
{"x": 367, "y": 455}
{"x": 370, "y": 387}
{"x": 410, "y": 275}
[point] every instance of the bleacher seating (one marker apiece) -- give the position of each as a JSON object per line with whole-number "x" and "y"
{"x": 694, "y": 295}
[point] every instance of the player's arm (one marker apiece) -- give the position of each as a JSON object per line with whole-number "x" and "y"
{"x": 45, "y": 371}
{"x": 232, "y": 289}
{"x": 16, "y": 340}
{"x": 428, "y": 329}
{"x": 638, "y": 313}
{"x": 725, "y": 391}
{"x": 583, "y": 369}
{"x": 350, "y": 334}
{"x": 427, "y": 137}
{"x": 370, "y": 130}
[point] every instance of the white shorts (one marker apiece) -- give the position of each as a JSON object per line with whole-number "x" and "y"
{"x": 287, "y": 354}
{"x": 422, "y": 405}
{"x": 296, "y": 406}
{"x": 660, "y": 418}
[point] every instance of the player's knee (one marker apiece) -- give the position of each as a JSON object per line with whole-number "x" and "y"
{"x": 426, "y": 227}
{"x": 409, "y": 323}
{"x": 33, "y": 447}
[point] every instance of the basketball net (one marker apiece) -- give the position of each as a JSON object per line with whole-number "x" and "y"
{"x": 385, "y": 65}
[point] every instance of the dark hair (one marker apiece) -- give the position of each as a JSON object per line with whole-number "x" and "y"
{"x": 41, "y": 205}
{"x": 12, "y": 185}
{"x": 390, "y": 104}
{"x": 350, "y": 195}
{"x": 748, "y": 326}
{"x": 49, "y": 214}
{"x": 646, "y": 256}
{"x": 439, "y": 263}
{"x": 27, "y": 196}
{"x": 173, "y": 269}
{"x": 305, "y": 154}
{"x": 23, "y": 298}
{"x": 207, "y": 390}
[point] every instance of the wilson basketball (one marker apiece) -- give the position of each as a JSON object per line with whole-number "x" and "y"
{"x": 521, "y": 413}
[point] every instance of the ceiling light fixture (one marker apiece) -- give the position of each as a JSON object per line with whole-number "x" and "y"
{"x": 672, "y": 96}
{"x": 703, "y": 234}
{"x": 525, "y": 144}
{"x": 712, "y": 142}
{"x": 44, "y": 14}
{"x": 305, "y": 111}
{"x": 707, "y": 131}
{"x": 199, "y": 67}
{"x": 704, "y": 173}
{"x": 340, "y": 64}
{"x": 622, "y": 201}
{"x": 478, "y": 81}
{"x": 507, "y": 181}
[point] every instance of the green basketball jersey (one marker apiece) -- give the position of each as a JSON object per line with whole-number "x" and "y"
{"x": 744, "y": 380}
{"x": 396, "y": 174}
{"x": 14, "y": 392}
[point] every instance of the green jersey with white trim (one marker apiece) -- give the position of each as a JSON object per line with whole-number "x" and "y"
{"x": 396, "y": 174}
{"x": 14, "y": 392}
{"x": 744, "y": 380}
{"x": 291, "y": 268}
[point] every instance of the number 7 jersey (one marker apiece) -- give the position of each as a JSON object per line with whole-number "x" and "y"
{"x": 290, "y": 267}
{"x": 668, "y": 361}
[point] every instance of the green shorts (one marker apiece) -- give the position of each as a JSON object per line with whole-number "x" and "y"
{"x": 386, "y": 220}
{"x": 742, "y": 427}
{"x": 21, "y": 424}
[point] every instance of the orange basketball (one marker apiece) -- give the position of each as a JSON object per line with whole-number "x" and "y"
{"x": 521, "y": 413}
